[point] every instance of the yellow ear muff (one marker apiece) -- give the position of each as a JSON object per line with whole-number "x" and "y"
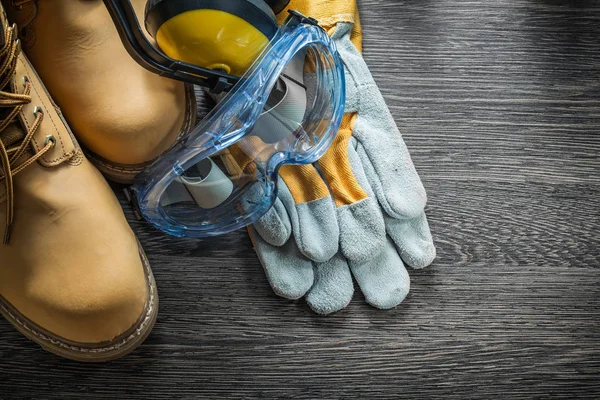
{"x": 212, "y": 39}
{"x": 227, "y": 35}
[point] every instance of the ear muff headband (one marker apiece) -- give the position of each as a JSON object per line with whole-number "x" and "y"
{"x": 255, "y": 12}
{"x": 277, "y": 5}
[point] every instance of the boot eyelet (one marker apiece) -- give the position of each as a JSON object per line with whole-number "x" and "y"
{"x": 50, "y": 139}
{"x": 25, "y": 80}
{"x": 37, "y": 110}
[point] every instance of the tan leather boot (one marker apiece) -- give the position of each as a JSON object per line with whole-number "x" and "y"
{"x": 73, "y": 277}
{"x": 123, "y": 115}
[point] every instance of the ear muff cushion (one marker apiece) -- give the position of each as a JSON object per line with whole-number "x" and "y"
{"x": 255, "y": 12}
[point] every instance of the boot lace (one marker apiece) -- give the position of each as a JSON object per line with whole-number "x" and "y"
{"x": 11, "y": 157}
{"x": 19, "y": 3}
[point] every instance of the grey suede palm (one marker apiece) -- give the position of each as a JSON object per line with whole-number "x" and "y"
{"x": 315, "y": 249}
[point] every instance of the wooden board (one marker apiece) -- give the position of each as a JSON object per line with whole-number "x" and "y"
{"x": 499, "y": 103}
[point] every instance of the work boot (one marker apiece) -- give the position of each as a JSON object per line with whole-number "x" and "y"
{"x": 123, "y": 115}
{"x": 73, "y": 277}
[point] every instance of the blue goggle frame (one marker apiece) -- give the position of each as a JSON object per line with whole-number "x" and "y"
{"x": 232, "y": 122}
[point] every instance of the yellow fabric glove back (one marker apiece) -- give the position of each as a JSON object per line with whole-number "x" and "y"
{"x": 329, "y": 13}
{"x": 305, "y": 183}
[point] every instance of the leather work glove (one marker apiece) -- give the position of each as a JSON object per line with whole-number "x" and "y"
{"x": 358, "y": 211}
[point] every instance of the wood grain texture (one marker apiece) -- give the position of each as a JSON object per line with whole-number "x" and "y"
{"x": 499, "y": 103}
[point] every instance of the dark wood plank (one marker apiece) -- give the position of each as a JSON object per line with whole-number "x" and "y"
{"x": 499, "y": 103}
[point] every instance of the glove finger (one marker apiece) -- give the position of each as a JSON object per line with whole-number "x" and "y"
{"x": 362, "y": 228}
{"x": 343, "y": 33}
{"x": 311, "y": 211}
{"x": 383, "y": 280}
{"x": 333, "y": 288}
{"x": 413, "y": 240}
{"x": 289, "y": 273}
{"x": 391, "y": 171}
{"x": 387, "y": 163}
{"x": 275, "y": 226}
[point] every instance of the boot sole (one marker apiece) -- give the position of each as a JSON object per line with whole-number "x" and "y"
{"x": 98, "y": 352}
{"x": 122, "y": 173}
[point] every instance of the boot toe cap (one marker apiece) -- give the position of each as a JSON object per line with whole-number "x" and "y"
{"x": 101, "y": 308}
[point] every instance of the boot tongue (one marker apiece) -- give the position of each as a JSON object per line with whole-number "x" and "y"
{"x": 12, "y": 134}
{"x": 3, "y": 27}
{"x": 3, "y": 43}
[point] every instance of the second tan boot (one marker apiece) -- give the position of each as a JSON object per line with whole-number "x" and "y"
{"x": 123, "y": 115}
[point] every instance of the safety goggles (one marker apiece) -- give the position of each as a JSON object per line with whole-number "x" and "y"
{"x": 286, "y": 109}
